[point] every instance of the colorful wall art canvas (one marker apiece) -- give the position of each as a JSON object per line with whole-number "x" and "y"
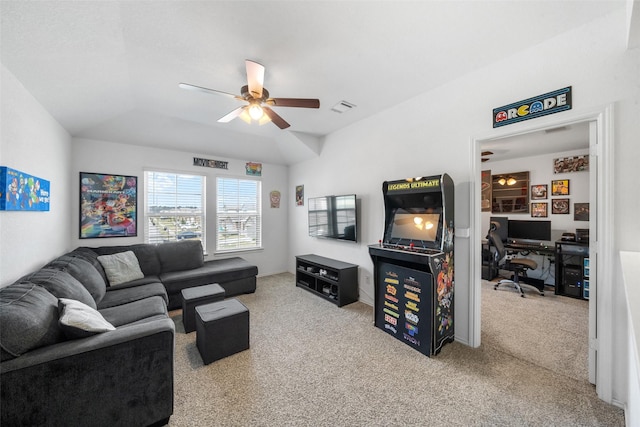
{"x": 20, "y": 191}
{"x": 108, "y": 205}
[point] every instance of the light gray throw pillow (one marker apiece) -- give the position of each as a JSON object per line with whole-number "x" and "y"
{"x": 122, "y": 267}
{"x": 78, "y": 320}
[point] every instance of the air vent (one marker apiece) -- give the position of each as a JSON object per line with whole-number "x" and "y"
{"x": 342, "y": 106}
{"x": 558, "y": 129}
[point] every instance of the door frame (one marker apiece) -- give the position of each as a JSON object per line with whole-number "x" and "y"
{"x": 601, "y": 244}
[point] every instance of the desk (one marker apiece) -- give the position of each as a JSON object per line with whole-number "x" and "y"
{"x": 544, "y": 248}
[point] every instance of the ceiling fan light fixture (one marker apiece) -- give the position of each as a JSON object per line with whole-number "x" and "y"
{"x": 502, "y": 181}
{"x": 511, "y": 180}
{"x": 256, "y": 112}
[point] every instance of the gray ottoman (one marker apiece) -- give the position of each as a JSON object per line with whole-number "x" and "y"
{"x": 222, "y": 329}
{"x": 198, "y": 295}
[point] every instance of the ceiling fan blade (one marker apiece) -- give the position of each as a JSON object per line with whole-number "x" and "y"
{"x": 207, "y": 90}
{"x": 232, "y": 115}
{"x": 275, "y": 118}
{"x": 255, "y": 78}
{"x": 294, "y": 102}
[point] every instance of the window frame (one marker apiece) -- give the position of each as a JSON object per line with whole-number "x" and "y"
{"x": 239, "y": 225}
{"x": 202, "y": 214}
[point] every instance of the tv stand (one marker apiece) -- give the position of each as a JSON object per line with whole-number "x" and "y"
{"x": 333, "y": 280}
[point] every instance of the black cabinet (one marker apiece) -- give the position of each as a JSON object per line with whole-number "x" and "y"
{"x": 333, "y": 280}
{"x": 572, "y": 269}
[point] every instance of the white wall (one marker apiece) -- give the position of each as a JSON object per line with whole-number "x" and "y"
{"x": 115, "y": 158}
{"x": 32, "y": 142}
{"x": 433, "y": 133}
{"x": 540, "y": 170}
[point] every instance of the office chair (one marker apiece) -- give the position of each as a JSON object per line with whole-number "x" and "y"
{"x": 518, "y": 266}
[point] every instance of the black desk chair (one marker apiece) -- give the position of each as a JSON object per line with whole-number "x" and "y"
{"x": 519, "y": 266}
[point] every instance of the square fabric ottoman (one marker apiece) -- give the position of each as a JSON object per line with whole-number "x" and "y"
{"x": 222, "y": 329}
{"x": 198, "y": 295}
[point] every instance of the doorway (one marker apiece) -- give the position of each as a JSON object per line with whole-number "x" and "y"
{"x": 550, "y": 331}
{"x": 600, "y": 239}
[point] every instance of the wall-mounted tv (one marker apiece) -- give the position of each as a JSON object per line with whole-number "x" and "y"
{"x": 333, "y": 217}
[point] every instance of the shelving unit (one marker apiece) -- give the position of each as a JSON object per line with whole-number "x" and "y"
{"x": 333, "y": 280}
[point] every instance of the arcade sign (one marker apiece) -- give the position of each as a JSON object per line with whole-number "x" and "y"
{"x": 538, "y": 106}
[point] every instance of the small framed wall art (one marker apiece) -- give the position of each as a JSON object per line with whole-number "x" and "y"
{"x": 539, "y": 192}
{"x": 581, "y": 211}
{"x": 539, "y": 209}
{"x": 560, "y": 206}
{"x": 560, "y": 187}
{"x": 299, "y": 195}
{"x": 108, "y": 205}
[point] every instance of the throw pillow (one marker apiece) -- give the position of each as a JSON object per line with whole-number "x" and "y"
{"x": 122, "y": 267}
{"x": 78, "y": 320}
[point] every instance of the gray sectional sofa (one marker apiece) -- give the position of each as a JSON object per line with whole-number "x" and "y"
{"x": 60, "y": 373}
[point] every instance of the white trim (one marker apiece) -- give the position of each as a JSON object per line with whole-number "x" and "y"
{"x": 605, "y": 215}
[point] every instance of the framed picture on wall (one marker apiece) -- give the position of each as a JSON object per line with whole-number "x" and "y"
{"x": 485, "y": 203}
{"x": 581, "y": 211}
{"x": 560, "y": 206}
{"x": 539, "y": 209}
{"x": 560, "y": 187}
{"x": 539, "y": 192}
{"x": 299, "y": 195}
{"x": 108, "y": 205}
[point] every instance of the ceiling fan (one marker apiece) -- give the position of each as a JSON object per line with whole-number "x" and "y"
{"x": 258, "y": 99}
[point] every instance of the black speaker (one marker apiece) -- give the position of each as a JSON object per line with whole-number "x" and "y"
{"x": 572, "y": 280}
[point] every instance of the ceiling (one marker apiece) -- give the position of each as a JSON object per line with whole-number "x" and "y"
{"x": 109, "y": 70}
{"x": 548, "y": 141}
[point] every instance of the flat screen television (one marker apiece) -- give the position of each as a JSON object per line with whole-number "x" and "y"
{"x": 529, "y": 230}
{"x": 333, "y": 217}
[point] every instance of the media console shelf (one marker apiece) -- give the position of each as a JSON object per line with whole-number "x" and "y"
{"x": 333, "y": 280}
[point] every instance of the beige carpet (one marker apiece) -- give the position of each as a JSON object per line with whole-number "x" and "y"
{"x": 314, "y": 364}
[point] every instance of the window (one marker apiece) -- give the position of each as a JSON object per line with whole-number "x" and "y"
{"x": 238, "y": 214}
{"x": 174, "y": 207}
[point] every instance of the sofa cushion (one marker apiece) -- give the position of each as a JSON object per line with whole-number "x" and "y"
{"x": 125, "y": 295}
{"x": 121, "y": 268}
{"x": 146, "y": 254}
{"x": 214, "y": 271}
{"x": 84, "y": 273}
{"x": 78, "y": 320}
{"x": 92, "y": 257}
{"x": 61, "y": 285}
{"x": 178, "y": 256}
{"x": 29, "y": 319}
{"x": 125, "y": 314}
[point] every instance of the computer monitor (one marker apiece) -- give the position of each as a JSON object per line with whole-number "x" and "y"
{"x": 529, "y": 230}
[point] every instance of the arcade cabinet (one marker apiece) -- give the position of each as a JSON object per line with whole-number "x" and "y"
{"x": 413, "y": 264}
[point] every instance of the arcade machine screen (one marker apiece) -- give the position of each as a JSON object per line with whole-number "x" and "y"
{"x": 417, "y": 227}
